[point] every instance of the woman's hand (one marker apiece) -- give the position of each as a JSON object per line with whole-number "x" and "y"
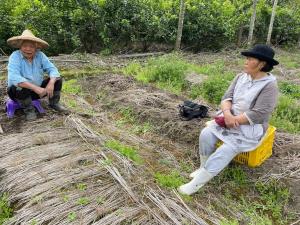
{"x": 230, "y": 120}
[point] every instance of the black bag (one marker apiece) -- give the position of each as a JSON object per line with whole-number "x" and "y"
{"x": 189, "y": 110}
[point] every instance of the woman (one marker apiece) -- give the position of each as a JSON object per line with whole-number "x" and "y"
{"x": 245, "y": 108}
{"x": 26, "y": 68}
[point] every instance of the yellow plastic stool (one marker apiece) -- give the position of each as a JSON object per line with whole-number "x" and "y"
{"x": 261, "y": 153}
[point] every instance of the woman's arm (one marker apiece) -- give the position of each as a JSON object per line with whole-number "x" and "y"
{"x": 263, "y": 105}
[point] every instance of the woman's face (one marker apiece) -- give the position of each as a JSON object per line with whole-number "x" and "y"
{"x": 252, "y": 65}
{"x": 28, "y": 49}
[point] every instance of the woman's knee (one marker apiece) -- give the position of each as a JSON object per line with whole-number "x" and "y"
{"x": 206, "y": 135}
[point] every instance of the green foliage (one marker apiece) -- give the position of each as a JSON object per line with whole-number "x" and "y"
{"x": 274, "y": 198}
{"x": 229, "y": 222}
{"x": 72, "y": 216}
{"x": 128, "y": 117}
{"x": 83, "y": 201}
{"x": 167, "y": 72}
{"x": 266, "y": 207}
{"x": 234, "y": 174}
{"x": 286, "y": 115}
{"x": 125, "y": 150}
{"x": 5, "y": 208}
{"x": 71, "y": 87}
{"x": 81, "y": 186}
{"x": 170, "y": 180}
{"x": 214, "y": 87}
{"x": 107, "y": 25}
{"x": 292, "y": 90}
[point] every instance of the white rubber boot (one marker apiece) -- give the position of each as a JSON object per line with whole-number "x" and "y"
{"x": 202, "y": 177}
{"x": 203, "y": 159}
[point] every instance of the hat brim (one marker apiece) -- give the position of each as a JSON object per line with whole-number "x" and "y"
{"x": 17, "y": 41}
{"x": 256, "y": 55}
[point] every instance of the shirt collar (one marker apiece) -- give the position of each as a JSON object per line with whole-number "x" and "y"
{"x": 23, "y": 57}
{"x": 268, "y": 77}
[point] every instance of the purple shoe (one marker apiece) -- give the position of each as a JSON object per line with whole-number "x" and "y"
{"x": 12, "y": 106}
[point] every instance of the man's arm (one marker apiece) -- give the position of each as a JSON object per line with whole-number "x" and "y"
{"x": 39, "y": 90}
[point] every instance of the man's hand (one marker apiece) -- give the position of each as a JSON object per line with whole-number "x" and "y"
{"x": 50, "y": 88}
{"x": 40, "y": 91}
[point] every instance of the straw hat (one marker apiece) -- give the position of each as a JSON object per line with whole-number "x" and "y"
{"x": 26, "y": 35}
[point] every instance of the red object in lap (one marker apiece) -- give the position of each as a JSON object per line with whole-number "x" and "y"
{"x": 220, "y": 120}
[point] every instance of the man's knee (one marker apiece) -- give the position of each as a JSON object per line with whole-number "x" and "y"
{"x": 18, "y": 93}
{"x": 58, "y": 84}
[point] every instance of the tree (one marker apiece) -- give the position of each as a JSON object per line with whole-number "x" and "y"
{"x": 271, "y": 22}
{"x": 252, "y": 22}
{"x": 180, "y": 25}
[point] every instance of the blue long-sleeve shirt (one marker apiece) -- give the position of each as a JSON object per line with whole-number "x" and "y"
{"x": 21, "y": 70}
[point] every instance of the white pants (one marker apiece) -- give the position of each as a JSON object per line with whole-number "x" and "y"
{"x": 218, "y": 158}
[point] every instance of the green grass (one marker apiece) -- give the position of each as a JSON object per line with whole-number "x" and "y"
{"x": 286, "y": 115}
{"x": 72, "y": 216}
{"x": 290, "y": 89}
{"x": 71, "y": 87}
{"x": 83, "y": 201}
{"x": 5, "y": 208}
{"x": 170, "y": 180}
{"x": 81, "y": 186}
{"x": 262, "y": 203}
{"x": 234, "y": 174}
{"x": 273, "y": 199}
{"x": 168, "y": 72}
{"x": 128, "y": 117}
{"x": 125, "y": 150}
{"x": 290, "y": 61}
{"x": 213, "y": 88}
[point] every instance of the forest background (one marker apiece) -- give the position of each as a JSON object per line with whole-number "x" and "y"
{"x": 110, "y": 26}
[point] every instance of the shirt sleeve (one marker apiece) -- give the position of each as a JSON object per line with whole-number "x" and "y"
{"x": 264, "y": 104}
{"x": 49, "y": 67}
{"x": 229, "y": 93}
{"x": 14, "y": 70}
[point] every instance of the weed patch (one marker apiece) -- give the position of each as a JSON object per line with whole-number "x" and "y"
{"x": 71, "y": 87}
{"x": 125, "y": 150}
{"x": 168, "y": 72}
{"x": 170, "y": 180}
{"x": 274, "y": 197}
{"x": 5, "y": 208}
{"x": 128, "y": 117}
{"x": 289, "y": 89}
{"x": 287, "y": 115}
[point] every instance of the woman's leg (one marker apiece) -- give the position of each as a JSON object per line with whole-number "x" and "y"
{"x": 207, "y": 142}
{"x": 215, "y": 164}
{"x": 220, "y": 159}
{"x": 207, "y": 145}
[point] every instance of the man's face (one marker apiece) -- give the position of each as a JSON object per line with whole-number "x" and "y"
{"x": 28, "y": 49}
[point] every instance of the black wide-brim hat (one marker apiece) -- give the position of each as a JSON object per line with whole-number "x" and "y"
{"x": 262, "y": 52}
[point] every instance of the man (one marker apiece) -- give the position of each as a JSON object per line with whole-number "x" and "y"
{"x": 26, "y": 68}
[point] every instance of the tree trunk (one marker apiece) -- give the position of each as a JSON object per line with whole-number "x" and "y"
{"x": 252, "y": 22}
{"x": 240, "y": 35}
{"x": 271, "y": 22}
{"x": 180, "y": 25}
